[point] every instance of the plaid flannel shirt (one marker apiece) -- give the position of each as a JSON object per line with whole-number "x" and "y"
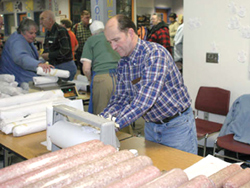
{"x": 149, "y": 85}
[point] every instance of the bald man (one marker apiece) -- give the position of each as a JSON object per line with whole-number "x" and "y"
{"x": 57, "y": 45}
{"x": 149, "y": 85}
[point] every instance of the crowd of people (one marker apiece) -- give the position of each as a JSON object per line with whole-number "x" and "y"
{"x": 130, "y": 77}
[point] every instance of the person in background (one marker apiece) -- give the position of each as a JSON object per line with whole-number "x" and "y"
{"x": 1, "y": 25}
{"x": 149, "y": 85}
{"x": 159, "y": 32}
{"x": 178, "y": 46}
{"x": 173, "y": 26}
{"x": 67, "y": 23}
{"x": 82, "y": 33}
{"x": 20, "y": 57}
{"x": 57, "y": 45}
{"x": 99, "y": 57}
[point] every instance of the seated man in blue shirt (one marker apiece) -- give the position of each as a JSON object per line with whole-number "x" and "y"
{"x": 149, "y": 86}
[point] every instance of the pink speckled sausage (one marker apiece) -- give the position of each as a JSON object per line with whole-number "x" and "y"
{"x": 220, "y": 177}
{"x": 114, "y": 173}
{"x": 199, "y": 181}
{"x": 80, "y": 171}
{"x": 238, "y": 179}
{"x": 138, "y": 178}
{"x": 27, "y": 166}
{"x": 247, "y": 185}
{"x": 171, "y": 179}
{"x": 26, "y": 179}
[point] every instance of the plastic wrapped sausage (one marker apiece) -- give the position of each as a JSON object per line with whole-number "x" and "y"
{"x": 26, "y": 179}
{"x": 200, "y": 181}
{"x": 138, "y": 178}
{"x": 27, "y": 166}
{"x": 114, "y": 173}
{"x": 220, "y": 177}
{"x": 80, "y": 171}
{"x": 238, "y": 179}
{"x": 171, "y": 179}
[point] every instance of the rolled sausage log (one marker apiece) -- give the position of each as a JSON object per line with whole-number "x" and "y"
{"x": 220, "y": 177}
{"x": 238, "y": 179}
{"x": 27, "y": 166}
{"x": 26, "y": 179}
{"x": 247, "y": 185}
{"x": 138, "y": 178}
{"x": 114, "y": 173}
{"x": 83, "y": 170}
{"x": 199, "y": 181}
{"x": 171, "y": 179}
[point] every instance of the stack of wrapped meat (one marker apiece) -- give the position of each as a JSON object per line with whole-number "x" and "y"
{"x": 93, "y": 164}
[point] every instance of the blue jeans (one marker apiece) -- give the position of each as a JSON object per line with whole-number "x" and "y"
{"x": 69, "y": 66}
{"x": 179, "y": 133}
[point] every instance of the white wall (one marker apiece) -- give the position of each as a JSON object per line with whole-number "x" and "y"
{"x": 63, "y": 6}
{"x": 206, "y": 30}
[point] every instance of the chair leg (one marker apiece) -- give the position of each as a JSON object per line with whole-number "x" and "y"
{"x": 205, "y": 145}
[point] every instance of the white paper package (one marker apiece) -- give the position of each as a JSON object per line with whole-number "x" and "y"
{"x": 18, "y": 120}
{"x": 7, "y": 77}
{"x": 44, "y": 79}
{"x": 31, "y": 127}
{"x": 30, "y": 97}
{"x": 53, "y": 72}
{"x": 28, "y": 108}
{"x": 9, "y": 128}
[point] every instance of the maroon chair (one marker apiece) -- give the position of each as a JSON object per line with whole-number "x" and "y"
{"x": 212, "y": 100}
{"x": 227, "y": 142}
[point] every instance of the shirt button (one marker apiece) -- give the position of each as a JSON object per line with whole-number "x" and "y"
{"x": 129, "y": 117}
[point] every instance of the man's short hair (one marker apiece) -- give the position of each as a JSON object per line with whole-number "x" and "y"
{"x": 66, "y": 22}
{"x": 124, "y": 23}
{"x": 159, "y": 15}
{"x": 85, "y": 12}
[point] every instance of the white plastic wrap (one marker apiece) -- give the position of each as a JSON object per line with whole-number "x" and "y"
{"x": 31, "y": 127}
{"x": 13, "y": 84}
{"x": 18, "y": 120}
{"x": 53, "y": 72}
{"x": 29, "y": 97}
{"x": 7, "y": 78}
{"x": 10, "y": 127}
{"x": 44, "y": 79}
{"x": 9, "y": 90}
{"x": 28, "y": 108}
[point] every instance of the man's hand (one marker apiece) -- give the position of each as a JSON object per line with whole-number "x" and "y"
{"x": 46, "y": 67}
{"x": 111, "y": 118}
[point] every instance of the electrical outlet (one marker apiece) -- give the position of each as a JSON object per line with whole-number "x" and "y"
{"x": 212, "y": 57}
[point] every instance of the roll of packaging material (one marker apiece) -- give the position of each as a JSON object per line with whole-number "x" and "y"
{"x": 7, "y": 78}
{"x": 31, "y": 127}
{"x": 44, "y": 79}
{"x": 30, "y": 97}
{"x": 65, "y": 134}
{"x": 8, "y": 129}
{"x": 53, "y": 72}
{"x": 4, "y": 122}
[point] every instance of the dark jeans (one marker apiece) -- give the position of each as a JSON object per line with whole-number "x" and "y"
{"x": 78, "y": 63}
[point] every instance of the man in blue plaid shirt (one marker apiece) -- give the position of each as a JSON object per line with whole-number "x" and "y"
{"x": 149, "y": 86}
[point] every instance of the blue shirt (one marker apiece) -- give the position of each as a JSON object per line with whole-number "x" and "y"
{"x": 149, "y": 85}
